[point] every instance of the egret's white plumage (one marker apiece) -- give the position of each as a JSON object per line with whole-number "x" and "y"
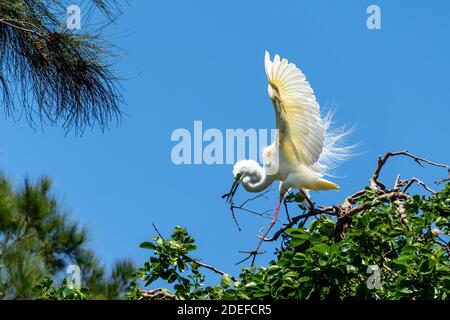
{"x": 305, "y": 147}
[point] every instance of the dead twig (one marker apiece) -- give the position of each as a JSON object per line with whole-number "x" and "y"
{"x": 157, "y": 231}
{"x": 157, "y": 294}
{"x": 230, "y": 196}
{"x": 252, "y": 253}
{"x": 444, "y": 180}
{"x": 374, "y": 181}
{"x": 415, "y": 180}
{"x": 209, "y": 267}
{"x": 287, "y": 211}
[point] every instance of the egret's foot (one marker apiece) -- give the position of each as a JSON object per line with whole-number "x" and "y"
{"x": 263, "y": 237}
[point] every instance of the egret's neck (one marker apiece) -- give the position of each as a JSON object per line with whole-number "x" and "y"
{"x": 258, "y": 182}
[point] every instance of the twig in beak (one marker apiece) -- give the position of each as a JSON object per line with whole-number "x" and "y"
{"x": 230, "y": 196}
{"x": 233, "y": 189}
{"x": 234, "y": 217}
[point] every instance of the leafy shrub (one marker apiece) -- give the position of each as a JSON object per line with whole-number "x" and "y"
{"x": 385, "y": 254}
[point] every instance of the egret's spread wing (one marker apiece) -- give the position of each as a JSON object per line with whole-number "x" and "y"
{"x": 298, "y": 113}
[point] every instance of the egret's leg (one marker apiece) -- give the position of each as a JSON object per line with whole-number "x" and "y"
{"x": 274, "y": 219}
{"x": 264, "y": 237}
{"x": 275, "y": 216}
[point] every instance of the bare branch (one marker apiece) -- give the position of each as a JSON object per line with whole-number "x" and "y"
{"x": 157, "y": 294}
{"x": 252, "y": 253}
{"x": 241, "y": 206}
{"x": 295, "y": 220}
{"x": 209, "y": 267}
{"x": 157, "y": 231}
{"x": 444, "y": 180}
{"x": 415, "y": 180}
{"x": 375, "y": 183}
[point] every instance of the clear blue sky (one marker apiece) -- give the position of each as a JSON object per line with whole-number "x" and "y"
{"x": 203, "y": 60}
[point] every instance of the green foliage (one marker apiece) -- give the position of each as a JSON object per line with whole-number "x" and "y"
{"x": 391, "y": 249}
{"x": 38, "y": 240}
{"x": 409, "y": 249}
{"x": 170, "y": 264}
{"x": 45, "y": 290}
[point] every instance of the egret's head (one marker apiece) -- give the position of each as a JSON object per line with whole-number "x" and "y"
{"x": 244, "y": 171}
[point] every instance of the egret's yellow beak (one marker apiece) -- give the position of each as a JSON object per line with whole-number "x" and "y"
{"x": 233, "y": 188}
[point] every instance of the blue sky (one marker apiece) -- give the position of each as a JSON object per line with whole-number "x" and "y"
{"x": 203, "y": 60}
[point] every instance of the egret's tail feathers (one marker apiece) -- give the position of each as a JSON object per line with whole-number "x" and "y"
{"x": 334, "y": 150}
{"x": 323, "y": 184}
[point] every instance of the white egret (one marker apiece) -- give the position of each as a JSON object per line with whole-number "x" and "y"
{"x": 304, "y": 147}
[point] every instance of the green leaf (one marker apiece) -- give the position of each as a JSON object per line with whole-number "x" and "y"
{"x": 334, "y": 249}
{"x": 322, "y": 262}
{"x": 147, "y": 245}
{"x": 345, "y": 247}
{"x": 322, "y": 248}
{"x": 407, "y": 250}
{"x": 406, "y": 290}
{"x": 181, "y": 265}
{"x": 299, "y": 240}
{"x": 351, "y": 269}
{"x": 251, "y": 285}
{"x": 292, "y": 231}
{"x": 273, "y": 269}
{"x": 304, "y": 279}
{"x": 226, "y": 281}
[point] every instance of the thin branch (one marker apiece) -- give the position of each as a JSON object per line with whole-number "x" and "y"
{"x": 374, "y": 181}
{"x": 157, "y": 231}
{"x": 263, "y": 237}
{"x": 241, "y": 206}
{"x": 233, "y": 215}
{"x": 263, "y": 194}
{"x": 444, "y": 180}
{"x": 263, "y": 214}
{"x": 252, "y": 253}
{"x": 4, "y": 21}
{"x": 294, "y": 221}
{"x": 415, "y": 180}
{"x": 287, "y": 211}
{"x": 156, "y": 294}
{"x": 397, "y": 182}
{"x": 209, "y": 267}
